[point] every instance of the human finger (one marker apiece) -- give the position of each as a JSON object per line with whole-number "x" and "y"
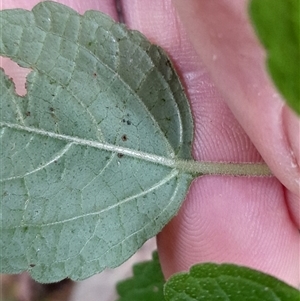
{"x": 222, "y": 218}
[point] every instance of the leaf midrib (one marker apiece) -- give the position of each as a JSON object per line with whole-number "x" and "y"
{"x": 168, "y": 162}
{"x": 195, "y": 168}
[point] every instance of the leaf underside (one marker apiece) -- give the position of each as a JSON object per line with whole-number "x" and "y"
{"x": 210, "y": 282}
{"x": 83, "y": 178}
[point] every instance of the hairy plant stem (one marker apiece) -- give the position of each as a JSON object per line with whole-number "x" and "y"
{"x": 196, "y": 168}
{"x": 224, "y": 168}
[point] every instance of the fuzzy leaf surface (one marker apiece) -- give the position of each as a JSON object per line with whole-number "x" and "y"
{"x": 87, "y": 155}
{"x": 210, "y": 282}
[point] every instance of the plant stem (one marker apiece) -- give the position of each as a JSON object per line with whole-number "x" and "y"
{"x": 224, "y": 168}
{"x": 196, "y": 168}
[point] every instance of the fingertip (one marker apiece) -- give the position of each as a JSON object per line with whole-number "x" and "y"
{"x": 236, "y": 220}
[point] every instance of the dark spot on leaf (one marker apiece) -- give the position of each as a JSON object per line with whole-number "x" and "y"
{"x": 32, "y": 265}
{"x": 27, "y": 113}
{"x": 124, "y": 138}
{"x": 163, "y": 100}
{"x": 94, "y": 74}
{"x": 127, "y": 121}
{"x": 55, "y": 161}
{"x": 168, "y": 63}
{"x": 89, "y": 43}
{"x": 120, "y": 155}
{"x": 25, "y": 228}
{"x": 51, "y": 109}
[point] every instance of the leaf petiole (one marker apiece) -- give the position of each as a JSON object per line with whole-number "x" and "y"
{"x": 196, "y": 168}
{"x": 224, "y": 168}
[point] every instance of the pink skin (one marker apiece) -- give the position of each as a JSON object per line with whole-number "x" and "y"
{"x": 239, "y": 117}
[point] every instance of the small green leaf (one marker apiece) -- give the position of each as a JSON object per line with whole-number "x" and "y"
{"x": 88, "y": 155}
{"x": 278, "y": 26}
{"x": 146, "y": 284}
{"x": 211, "y": 282}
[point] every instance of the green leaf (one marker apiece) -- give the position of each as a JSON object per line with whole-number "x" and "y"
{"x": 278, "y": 26}
{"x": 211, "y": 282}
{"x": 146, "y": 284}
{"x": 88, "y": 154}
